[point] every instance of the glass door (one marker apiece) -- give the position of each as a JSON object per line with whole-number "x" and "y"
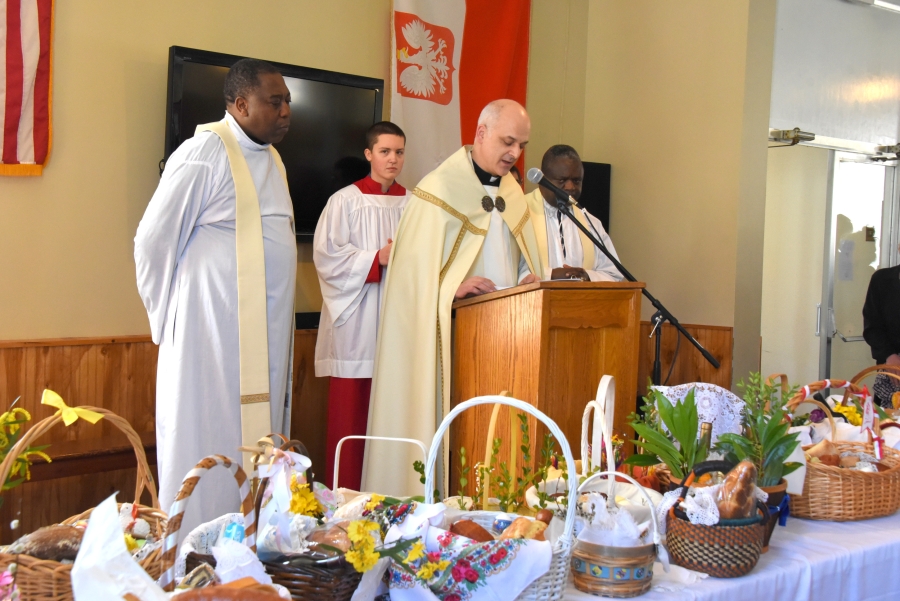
{"x": 861, "y": 236}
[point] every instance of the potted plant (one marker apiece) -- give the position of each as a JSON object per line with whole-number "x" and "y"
{"x": 672, "y": 438}
{"x": 765, "y": 441}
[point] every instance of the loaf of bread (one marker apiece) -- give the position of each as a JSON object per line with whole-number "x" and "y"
{"x": 825, "y": 452}
{"x": 55, "y": 543}
{"x": 333, "y": 534}
{"x": 544, "y": 515}
{"x": 525, "y": 528}
{"x": 470, "y": 529}
{"x": 735, "y": 499}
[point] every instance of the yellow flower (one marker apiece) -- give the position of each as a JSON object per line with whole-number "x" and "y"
{"x": 130, "y": 543}
{"x": 443, "y": 565}
{"x": 362, "y": 560}
{"x": 415, "y": 552}
{"x": 850, "y": 413}
{"x": 374, "y": 501}
{"x": 426, "y": 572}
{"x": 358, "y": 532}
{"x": 303, "y": 501}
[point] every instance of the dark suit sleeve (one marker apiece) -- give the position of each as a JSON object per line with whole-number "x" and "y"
{"x": 875, "y": 326}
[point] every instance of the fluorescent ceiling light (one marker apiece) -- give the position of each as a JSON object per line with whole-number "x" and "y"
{"x": 887, "y": 5}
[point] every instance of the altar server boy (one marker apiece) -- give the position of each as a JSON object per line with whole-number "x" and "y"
{"x": 351, "y": 249}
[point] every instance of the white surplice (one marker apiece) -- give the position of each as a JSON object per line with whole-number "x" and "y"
{"x": 354, "y": 226}
{"x": 603, "y": 271}
{"x": 186, "y": 262}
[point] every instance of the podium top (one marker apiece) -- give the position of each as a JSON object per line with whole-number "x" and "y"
{"x": 549, "y": 285}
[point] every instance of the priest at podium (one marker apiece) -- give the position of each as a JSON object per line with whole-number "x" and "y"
{"x": 466, "y": 231}
{"x": 566, "y": 253}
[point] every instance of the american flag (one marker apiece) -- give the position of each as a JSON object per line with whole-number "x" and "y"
{"x": 26, "y": 28}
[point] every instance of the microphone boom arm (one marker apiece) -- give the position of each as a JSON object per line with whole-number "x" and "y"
{"x": 562, "y": 203}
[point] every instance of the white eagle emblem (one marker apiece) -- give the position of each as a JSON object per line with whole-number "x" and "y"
{"x": 428, "y": 67}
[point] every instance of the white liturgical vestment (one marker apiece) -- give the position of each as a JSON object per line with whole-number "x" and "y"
{"x": 355, "y": 225}
{"x": 603, "y": 269}
{"x": 187, "y": 277}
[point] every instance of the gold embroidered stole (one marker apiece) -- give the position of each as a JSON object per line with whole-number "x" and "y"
{"x": 256, "y": 417}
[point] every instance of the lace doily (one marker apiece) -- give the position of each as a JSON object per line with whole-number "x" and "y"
{"x": 715, "y": 404}
{"x": 202, "y": 538}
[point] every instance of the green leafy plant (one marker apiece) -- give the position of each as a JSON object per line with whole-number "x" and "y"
{"x": 525, "y": 481}
{"x": 681, "y": 421}
{"x": 11, "y": 427}
{"x": 419, "y": 468}
{"x": 540, "y": 475}
{"x": 463, "y": 475}
{"x": 765, "y": 440}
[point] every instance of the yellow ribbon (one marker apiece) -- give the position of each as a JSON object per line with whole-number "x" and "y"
{"x": 69, "y": 414}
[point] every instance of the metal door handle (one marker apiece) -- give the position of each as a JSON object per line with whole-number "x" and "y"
{"x": 850, "y": 338}
{"x": 818, "y": 319}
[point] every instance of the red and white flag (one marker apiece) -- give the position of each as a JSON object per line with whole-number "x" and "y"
{"x": 25, "y": 89}
{"x": 451, "y": 58}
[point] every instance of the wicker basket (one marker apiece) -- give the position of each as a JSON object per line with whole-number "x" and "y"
{"x": 327, "y": 582}
{"x": 729, "y": 549}
{"x": 551, "y": 585}
{"x": 839, "y": 494}
{"x": 619, "y": 572}
{"x": 39, "y": 579}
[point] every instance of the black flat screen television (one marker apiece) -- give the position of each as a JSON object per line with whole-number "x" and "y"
{"x": 330, "y": 113}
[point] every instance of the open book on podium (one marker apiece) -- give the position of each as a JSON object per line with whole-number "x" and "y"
{"x": 548, "y": 344}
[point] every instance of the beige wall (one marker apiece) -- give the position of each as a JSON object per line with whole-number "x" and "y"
{"x": 797, "y": 182}
{"x": 556, "y": 76}
{"x": 66, "y": 238}
{"x": 677, "y": 101}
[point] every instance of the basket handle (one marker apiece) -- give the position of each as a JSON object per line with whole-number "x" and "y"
{"x": 144, "y": 475}
{"x": 890, "y": 370}
{"x": 828, "y": 414}
{"x": 526, "y": 408}
{"x": 603, "y": 409}
{"x": 176, "y": 513}
{"x": 641, "y": 489}
{"x": 337, "y": 450}
{"x": 489, "y": 446}
{"x": 810, "y": 389}
{"x": 785, "y": 388}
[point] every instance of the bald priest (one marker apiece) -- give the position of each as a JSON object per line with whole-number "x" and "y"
{"x": 466, "y": 231}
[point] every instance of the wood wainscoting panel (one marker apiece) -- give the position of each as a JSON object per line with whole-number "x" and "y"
{"x": 118, "y": 374}
{"x": 690, "y": 365}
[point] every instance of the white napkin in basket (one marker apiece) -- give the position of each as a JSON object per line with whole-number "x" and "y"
{"x": 104, "y": 569}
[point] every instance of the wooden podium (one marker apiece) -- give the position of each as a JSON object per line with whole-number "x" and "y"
{"x": 548, "y": 344}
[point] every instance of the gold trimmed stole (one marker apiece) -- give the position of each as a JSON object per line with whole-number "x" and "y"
{"x": 256, "y": 416}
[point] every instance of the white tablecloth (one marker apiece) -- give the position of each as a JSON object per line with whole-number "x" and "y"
{"x": 808, "y": 560}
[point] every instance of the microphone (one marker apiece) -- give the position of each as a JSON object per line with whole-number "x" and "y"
{"x": 536, "y": 176}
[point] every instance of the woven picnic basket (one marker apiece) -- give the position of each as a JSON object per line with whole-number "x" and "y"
{"x": 551, "y": 585}
{"x": 40, "y": 579}
{"x": 839, "y": 494}
{"x": 728, "y": 549}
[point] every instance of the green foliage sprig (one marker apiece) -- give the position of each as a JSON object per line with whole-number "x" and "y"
{"x": 765, "y": 440}
{"x": 681, "y": 421}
